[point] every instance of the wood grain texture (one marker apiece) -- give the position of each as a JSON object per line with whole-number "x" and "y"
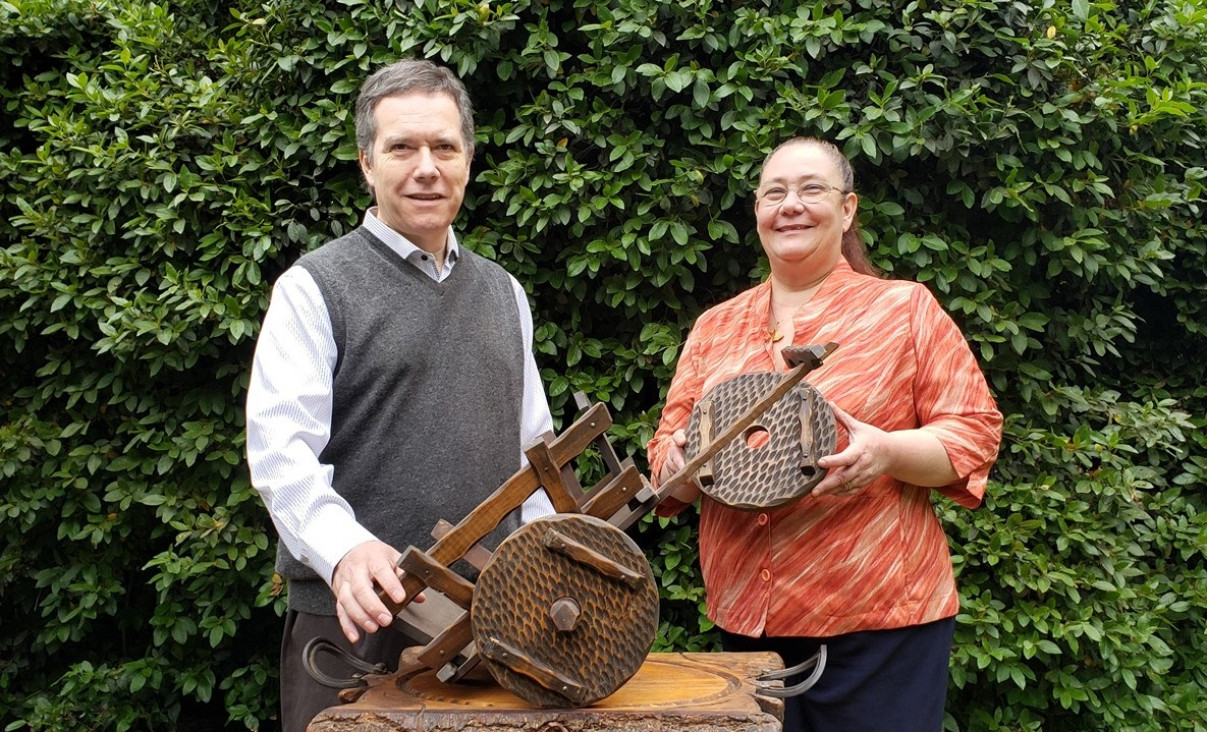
{"x": 693, "y": 692}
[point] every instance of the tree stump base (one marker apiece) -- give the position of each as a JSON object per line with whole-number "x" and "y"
{"x": 671, "y": 691}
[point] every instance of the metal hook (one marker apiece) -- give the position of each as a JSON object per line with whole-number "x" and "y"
{"x": 364, "y": 668}
{"x": 817, "y": 661}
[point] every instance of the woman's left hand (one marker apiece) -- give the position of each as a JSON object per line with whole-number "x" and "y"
{"x": 865, "y": 459}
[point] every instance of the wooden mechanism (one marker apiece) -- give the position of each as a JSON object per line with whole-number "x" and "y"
{"x": 565, "y": 610}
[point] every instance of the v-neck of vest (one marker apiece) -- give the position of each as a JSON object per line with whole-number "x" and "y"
{"x": 401, "y": 264}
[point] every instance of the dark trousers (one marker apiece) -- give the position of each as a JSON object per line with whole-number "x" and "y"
{"x": 874, "y": 680}
{"x": 301, "y": 696}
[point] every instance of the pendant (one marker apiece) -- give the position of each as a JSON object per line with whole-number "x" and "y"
{"x": 774, "y": 336}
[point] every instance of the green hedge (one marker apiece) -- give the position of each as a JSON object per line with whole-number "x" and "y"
{"x": 1038, "y": 165}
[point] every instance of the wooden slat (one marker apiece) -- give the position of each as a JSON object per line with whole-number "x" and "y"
{"x": 611, "y": 460}
{"x": 445, "y": 647}
{"x": 563, "y": 497}
{"x": 423, "y": 621}
{"x": 600, "y": 563}
{"x": 477, "y": 556}
{"x": 627, "y": 498}
{"x": 437, "y": 576}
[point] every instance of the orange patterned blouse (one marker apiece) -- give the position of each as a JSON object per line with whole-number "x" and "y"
{"x": 828, "y": 565}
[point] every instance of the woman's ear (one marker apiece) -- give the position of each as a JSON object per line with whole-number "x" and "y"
{"x": 850, "y": 204}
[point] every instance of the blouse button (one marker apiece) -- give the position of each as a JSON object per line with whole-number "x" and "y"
{"x": 765, "y": 575}
{"x": 762, "y": 519}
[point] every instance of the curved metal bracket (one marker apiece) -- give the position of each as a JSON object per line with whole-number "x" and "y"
{"x": 317, "y": 645}
{"x": 817, "y": 662}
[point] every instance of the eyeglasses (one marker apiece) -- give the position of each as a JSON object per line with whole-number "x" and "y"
{"x": 808, "y": 193}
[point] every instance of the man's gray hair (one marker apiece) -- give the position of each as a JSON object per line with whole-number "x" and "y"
{"x": 403, "y": 77}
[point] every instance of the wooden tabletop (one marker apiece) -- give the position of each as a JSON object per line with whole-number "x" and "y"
{"x": 671, "y": 691}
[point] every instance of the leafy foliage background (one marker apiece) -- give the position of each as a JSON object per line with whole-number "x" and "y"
{"x": 1038, "y": 164}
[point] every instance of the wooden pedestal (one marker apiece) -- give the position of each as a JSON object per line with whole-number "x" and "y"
{"x": 671, "y": 691}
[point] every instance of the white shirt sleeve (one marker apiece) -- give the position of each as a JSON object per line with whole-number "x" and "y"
{"x": 535, "y": 418}
{"x": 289, "y": 423}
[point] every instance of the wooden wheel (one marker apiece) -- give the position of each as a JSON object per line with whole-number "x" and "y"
{"x": 565, "y": 612}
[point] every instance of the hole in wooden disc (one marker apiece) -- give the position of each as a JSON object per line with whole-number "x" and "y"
{"x": 757, "y": 437}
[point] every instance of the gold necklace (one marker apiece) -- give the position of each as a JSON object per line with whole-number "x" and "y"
{"x": 773, "y": 334}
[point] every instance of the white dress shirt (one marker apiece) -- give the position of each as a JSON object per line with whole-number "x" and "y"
{"x": 289, "y": 411}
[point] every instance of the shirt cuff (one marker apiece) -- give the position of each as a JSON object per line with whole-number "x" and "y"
{"x": 335, "y": 534}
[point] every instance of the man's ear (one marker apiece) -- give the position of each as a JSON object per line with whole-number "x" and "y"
{"x": 366, "y": 168}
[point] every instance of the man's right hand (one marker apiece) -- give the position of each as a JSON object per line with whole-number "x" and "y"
{"x": 355, "y": 581}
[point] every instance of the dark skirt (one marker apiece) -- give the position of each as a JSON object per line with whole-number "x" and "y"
{"x": 874, "y": 680}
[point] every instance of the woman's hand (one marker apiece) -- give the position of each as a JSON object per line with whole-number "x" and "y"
{"x": 865, "y": 459}
{"x": 912, "y": 456}
{"x": 676, "y": 458}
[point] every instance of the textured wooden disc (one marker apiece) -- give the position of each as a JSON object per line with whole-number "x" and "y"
{"x": 606, "y": 593}
{"x": 799, "y": 429}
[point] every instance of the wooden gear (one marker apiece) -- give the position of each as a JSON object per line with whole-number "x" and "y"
{"x": 774, "y": 461}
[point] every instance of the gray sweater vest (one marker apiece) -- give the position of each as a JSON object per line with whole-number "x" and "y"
{"x": 428, "y": 389}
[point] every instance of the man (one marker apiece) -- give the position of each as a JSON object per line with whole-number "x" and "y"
{"x": 393, "y": 382}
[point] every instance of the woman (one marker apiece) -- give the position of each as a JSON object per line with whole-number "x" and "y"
{"x": 861, "y": 563}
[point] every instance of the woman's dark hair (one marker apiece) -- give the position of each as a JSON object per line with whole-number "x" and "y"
{"x": 854, "y": 250}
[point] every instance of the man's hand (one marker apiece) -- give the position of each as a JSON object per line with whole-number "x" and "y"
{"x": 366, "y": 567}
